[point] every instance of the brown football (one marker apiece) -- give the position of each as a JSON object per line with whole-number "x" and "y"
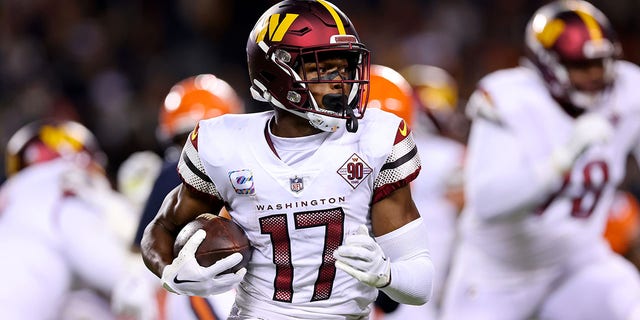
{"x": 224, "y": 237}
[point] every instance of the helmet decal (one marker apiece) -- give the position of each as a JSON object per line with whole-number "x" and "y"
{"x": 592, "y": 25}
{"x": 335, "y": 16}
{"x": 275, "y": 27}
{"x": 58, "y": 139}
{"x": 547, "y": 33}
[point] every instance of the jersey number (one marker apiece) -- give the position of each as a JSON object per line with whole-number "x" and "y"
{"x": 276, "y": 226}
{"x": 595, "y": 176}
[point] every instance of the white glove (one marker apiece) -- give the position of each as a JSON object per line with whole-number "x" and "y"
{"x": 588, "y": 129}
{"x": 363, "y": 259}
{"x": 185, "y": 276}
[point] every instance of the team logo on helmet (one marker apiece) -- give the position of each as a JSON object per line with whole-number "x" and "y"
{"x": 274, "y": 28}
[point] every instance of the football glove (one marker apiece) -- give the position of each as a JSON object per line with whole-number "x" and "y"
{"x": 363, "y": 259}
{"x": 589, "y": 129}
{"x": 185, "y": 276}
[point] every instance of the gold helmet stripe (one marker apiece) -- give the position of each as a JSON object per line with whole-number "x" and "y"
{"x": 592, "y": 25}
{"x": 282, "y": 27}
{"x": 335, "y": 16}
{"x": 549, "y": 32}
{"x": 58, "y": 139}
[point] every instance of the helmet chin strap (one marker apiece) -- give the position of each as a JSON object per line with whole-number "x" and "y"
{"x": 352, "y": 121}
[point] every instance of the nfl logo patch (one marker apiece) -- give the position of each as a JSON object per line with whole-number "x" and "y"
{"x": 296, "y": 184}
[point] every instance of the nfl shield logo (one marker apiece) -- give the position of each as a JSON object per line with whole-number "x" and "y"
{"x": 296, "y": 184}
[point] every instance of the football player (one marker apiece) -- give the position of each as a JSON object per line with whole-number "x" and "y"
{"x": 54, "y": 225}
{"x": 189, "y": 100}
{"x": 547, "y": 149}
{"x": 321, "y": 190}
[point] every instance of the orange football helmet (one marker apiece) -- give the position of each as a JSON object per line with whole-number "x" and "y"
{"x": 49, "y": 139}
{"x": 623, "y": 224}
{"x": 390, "y": 91}
{"x": 195, "y": 98}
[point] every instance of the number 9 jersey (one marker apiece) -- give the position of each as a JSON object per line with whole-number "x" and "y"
{"x": 296, "y": 215}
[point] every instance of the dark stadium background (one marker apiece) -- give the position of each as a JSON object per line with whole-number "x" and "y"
{"x": 109, "y": 63}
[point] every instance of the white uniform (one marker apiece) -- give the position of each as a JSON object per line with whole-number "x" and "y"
{"x": 442, "y": 159}
{"x": 296, "y": 216}
{"x": 50, "y": 238}
{"x": 526, "y": 252}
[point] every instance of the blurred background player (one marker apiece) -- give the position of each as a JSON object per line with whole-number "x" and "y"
{"x": 547, "y": 149}
{"x": 440, "y": 133}
{"x": 56, "y": 235}
{"x": 436, "y": 95}
{"x": 189, "y": 100}
{"x": 427, "y": 102}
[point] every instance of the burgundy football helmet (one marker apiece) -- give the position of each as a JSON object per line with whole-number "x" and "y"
{"x": 294, "y": 32}
{"x": 49, "y": 139}
{"x": 575, "y": 32}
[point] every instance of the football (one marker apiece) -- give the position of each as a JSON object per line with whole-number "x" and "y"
{"x": 223, "y": 238}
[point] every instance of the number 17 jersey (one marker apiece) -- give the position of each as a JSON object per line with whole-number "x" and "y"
{"x": 296, "y": 215}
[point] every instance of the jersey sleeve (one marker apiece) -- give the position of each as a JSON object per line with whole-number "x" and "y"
{"x": 401, "y": 167}
{"x": 191, "y": 169}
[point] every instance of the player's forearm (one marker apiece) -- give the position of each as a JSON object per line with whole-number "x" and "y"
{"x": 157, "y": 247}
{"x": 411, "y": 267}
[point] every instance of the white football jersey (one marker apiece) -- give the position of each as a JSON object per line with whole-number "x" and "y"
{"x": 515, "y": 109}
{"x": 296, "y": 216}
{"x": 49, "y": 238}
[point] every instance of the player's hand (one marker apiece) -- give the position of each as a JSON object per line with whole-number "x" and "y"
{"x": 589, "y": 129}
{"x": 185, "y": 276}
{"x": 363, "y": 259}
